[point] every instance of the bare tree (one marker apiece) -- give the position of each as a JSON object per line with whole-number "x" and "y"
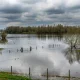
{"x": 72, "y": 40}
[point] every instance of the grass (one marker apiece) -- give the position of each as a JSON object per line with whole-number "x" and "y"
{"x": 8, "y": 76}
{"x": 1, "y": 49}
{"x": 3, "y": 42}
{"x": 78, "y": 50}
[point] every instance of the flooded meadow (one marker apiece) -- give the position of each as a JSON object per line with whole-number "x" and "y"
{"x": 39, "y": 52}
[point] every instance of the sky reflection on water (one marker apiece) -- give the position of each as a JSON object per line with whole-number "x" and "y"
{"x": 50, "y": 53}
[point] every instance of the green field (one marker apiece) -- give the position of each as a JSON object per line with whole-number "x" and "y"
{"x": 8, "y": 76}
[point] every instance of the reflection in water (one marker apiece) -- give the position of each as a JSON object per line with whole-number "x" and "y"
{"x": 58, "y": 37}
{"x": 0, "y": 53}
{"x": 73, "y": 52}
{"x": 53, "y": 45}
{"x": 39, "y": 52}
{"x": 72, "y": 55}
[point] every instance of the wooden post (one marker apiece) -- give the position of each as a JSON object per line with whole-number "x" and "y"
{"x": 47, "y": 73}
{"x": 29, "y": 73}
{"x": 9, "y": 51}
{"x": 30, "y": 48}
{"x": 11, "y": 70}
{"x": 21, "y": 49}
{"x": 69, "y": 74}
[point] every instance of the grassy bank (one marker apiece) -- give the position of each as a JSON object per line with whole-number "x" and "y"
{"x": 8, "y": 76}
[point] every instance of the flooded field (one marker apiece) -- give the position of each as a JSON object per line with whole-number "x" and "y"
{"x": 39, "y": 53}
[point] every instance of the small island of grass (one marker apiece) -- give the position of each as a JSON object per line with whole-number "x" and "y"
{"x": 3, "y": 38}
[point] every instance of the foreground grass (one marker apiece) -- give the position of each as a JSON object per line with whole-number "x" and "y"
{"x": 8, "y": 76}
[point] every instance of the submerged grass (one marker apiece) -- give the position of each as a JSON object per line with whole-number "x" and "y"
{"x": 3, "y": 42}
{"x": 78, "y": 50}
{"x": 8, "y": 76}
{"x": 1, "y": 49}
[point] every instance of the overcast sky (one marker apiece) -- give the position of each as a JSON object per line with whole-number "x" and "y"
{"x": 39, "y": 12}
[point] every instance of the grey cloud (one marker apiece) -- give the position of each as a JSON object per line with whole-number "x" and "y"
{"x": 12, "y": 9}
{"x": 30, "y": 17}
{"x": 31, "y": 1}
{"x": 55, "y": 11}
{"x": 38, "y": 15}
{"x": 13, "y": 17}
{"x": 75, "y": 7}
{"x": 73, "y": 10}
{"x": 6, "y": 18}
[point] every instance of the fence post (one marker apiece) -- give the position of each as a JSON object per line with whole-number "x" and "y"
{"x": 30, "y": 48}
{"x": 47, "y": 73}
{"x": 11, "y": 70}
{"x": 69, "y": 74}
{"x": 29, "y": 73}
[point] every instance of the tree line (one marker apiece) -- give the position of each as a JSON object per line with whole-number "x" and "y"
{"x": 58, "y": 29}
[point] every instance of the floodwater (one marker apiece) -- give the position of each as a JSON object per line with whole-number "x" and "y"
{"x": 39, "y": 52}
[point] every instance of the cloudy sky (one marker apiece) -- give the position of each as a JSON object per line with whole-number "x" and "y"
{"x": 39, "y": 12}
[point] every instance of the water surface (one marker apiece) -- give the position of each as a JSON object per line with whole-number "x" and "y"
{"x": 48, "y": 51}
